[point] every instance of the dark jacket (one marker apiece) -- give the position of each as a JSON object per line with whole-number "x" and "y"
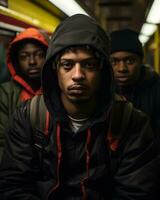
{"x": 17, "y": 90}
{"x": 113, "y": 155}
{"x": 145, "y": 94}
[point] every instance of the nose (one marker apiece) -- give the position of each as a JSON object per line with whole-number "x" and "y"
{"x": 122, "y": 66}
{"x": 32, "y": 59}
{"x": 78, "y": 73}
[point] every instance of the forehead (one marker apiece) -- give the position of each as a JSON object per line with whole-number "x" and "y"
{"x": 29, "y": 47}
{"x": 123, "y": 54}
{"x": 76, "y": 53}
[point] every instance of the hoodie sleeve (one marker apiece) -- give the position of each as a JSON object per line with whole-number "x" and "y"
{"x": 9, "y": 98}
{"x": 16, "y": 176}
{"x": 3, "y": 118}
{"x": 138, "y": 164}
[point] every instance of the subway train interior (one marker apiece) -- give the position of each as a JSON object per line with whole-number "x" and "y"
{"x": 140, "y": 15}
{"x": 79, "y": 121}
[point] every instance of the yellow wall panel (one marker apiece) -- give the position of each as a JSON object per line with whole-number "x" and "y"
{"x": 33, "y": 14}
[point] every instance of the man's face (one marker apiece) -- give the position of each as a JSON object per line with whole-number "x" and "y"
{"x": 78, "y": 76}
{"x": 31, "y": 59}
{"x": 126, "y": 67}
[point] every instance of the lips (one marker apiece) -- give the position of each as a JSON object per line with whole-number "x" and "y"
{"x": 77, "y": 89}
{"x": 34, "y": 71}
{"x": 122, "y": 78}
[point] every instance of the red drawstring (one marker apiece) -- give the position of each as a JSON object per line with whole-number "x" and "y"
{"x": 46, "y": 131}
{"x": 59, "y": 155}
{"x": 83, "y": 191}
{"x": 59, "y": 149}
{"x": 87, "y": 164}
{"x": 113, "y": 143}
{"x": 87, "y": 152}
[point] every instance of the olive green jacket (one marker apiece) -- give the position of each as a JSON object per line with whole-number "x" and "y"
{"x": 9, "y": 100}
{"x": 18, "y": 89}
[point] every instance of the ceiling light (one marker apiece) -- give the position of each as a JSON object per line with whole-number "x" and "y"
{"x": 11, "y": 27}
{"x": 143, "y": 38}
{"x": 69, "y": 7}
{"x": 148, "y": 29}
{"x": 154, "y": 16}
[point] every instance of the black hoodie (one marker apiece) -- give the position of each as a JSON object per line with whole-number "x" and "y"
{"x": 77, "y": 31}
{"x": 111, "y": 157}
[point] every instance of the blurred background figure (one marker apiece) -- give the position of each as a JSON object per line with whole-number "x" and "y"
{"x": 4, "y": 73}
{"x": 135, "y": 81}
{"x": 25, "y": 58}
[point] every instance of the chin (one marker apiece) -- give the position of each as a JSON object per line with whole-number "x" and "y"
{"x": 122, "y": 83}
{"x": 125, "y": 85}
{"x": 79, "y": 100}
{"x": 34, "y": 77}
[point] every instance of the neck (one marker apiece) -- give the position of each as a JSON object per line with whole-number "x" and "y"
{"x": 124, "y": 88}
{"x": 35, "y": 84}
{"x": 79, "y": 110}
{"x": 126, "y": 91}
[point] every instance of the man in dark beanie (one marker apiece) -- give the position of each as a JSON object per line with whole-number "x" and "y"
{"x": 135, "y": 81}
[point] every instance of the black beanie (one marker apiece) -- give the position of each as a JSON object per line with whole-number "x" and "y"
{"x": 126, "y": 40}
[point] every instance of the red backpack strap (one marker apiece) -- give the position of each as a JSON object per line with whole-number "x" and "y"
{"x": 119, "y": 119}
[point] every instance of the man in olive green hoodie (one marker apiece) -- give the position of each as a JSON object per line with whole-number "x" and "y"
{"x": 25, "y": 58}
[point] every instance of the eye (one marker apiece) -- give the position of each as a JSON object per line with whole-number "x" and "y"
{"x": 130, "y": 61}
{"x": 91, "y": 64}
{"x": 67, "y": 65}
{"x": 88, "y": 65}
{"x": 23, "y": 56}
{"x": 40, "y": 54}
{"x": 114, "y": 61}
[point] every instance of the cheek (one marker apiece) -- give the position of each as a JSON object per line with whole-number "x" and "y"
{"x": 62, "y": 81}
{"x": 134, "y": 70}
{"x": 41, "y": 62}
{"x": 94, "y": 80}
{"x": 114, "y": 69}
{"x": 23, "y": 66}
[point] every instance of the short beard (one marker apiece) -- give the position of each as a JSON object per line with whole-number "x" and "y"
{"x": 80, "y": 102}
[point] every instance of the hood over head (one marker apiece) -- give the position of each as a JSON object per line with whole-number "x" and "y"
{"x": 77, "y": 30}
{"x": 29, "y": 34}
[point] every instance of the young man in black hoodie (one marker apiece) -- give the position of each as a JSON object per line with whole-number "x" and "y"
{"x": 96, "y": 145}
{"x": 139, "y": 84}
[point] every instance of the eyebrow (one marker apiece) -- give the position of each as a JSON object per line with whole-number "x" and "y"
{"x": 71, "y": 59}
{"x": 125, "y": 57}
{"x": 24, "y": 51}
